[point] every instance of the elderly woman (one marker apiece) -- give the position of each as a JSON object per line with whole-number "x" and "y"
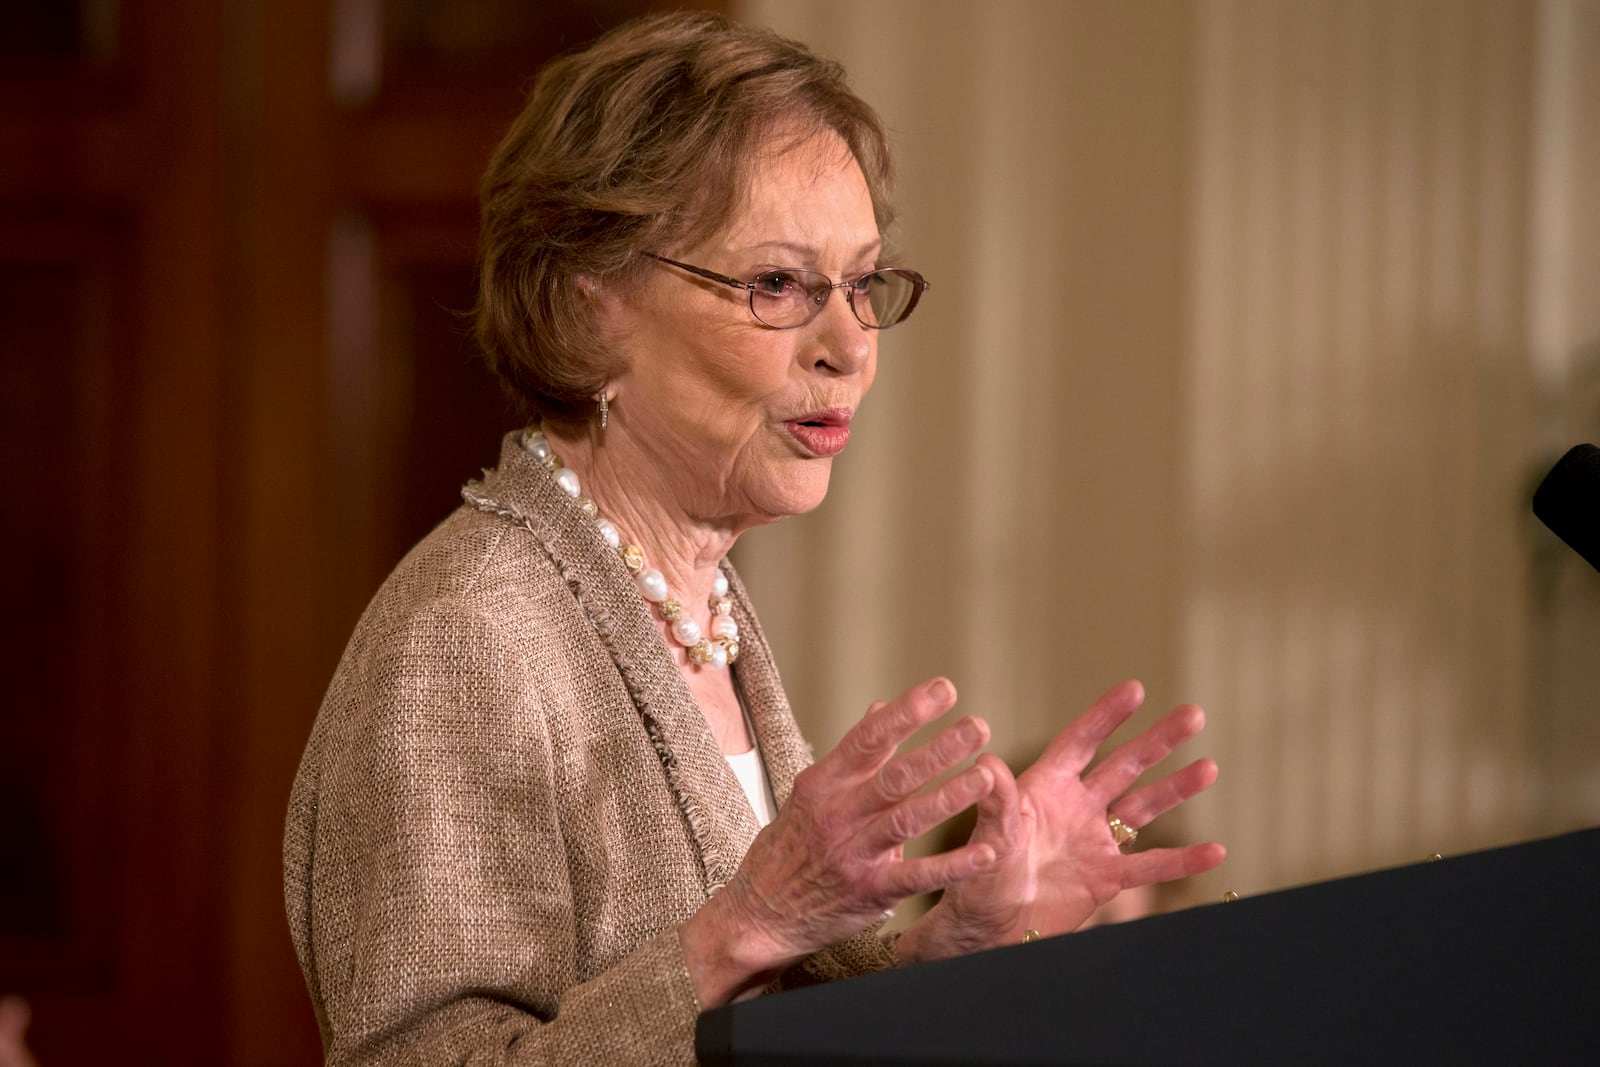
{"x": 555, "y": 803}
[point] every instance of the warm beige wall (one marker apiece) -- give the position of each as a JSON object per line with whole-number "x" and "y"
{"x": 1358, "y": 431}
{"x": 1251, "y": 321}
{"x": 1013, "y": 487}
{"x": 1564, "y": 331}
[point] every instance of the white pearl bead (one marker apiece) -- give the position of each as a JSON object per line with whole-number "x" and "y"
{"x": 652, "y": 585}
{"x": 686, "y": 631}
{"x": 651, "y": 582}
{"x": 536, "y": 444}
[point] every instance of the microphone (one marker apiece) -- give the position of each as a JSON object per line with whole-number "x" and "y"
{"x": 1568, "y": 501}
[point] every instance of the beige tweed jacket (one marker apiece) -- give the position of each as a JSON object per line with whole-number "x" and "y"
{"x": 509, "y": 801}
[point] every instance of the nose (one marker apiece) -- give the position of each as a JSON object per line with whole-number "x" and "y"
{"x": 845, "y": 346}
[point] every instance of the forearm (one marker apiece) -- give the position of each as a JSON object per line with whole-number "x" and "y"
{"x": 727, "y": 963}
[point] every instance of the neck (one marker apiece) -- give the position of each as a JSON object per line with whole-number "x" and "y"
{"x": 624, "y": 483}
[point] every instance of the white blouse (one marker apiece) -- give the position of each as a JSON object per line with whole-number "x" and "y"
{"x": 752, "y": 775}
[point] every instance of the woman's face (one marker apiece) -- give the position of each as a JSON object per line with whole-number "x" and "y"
{"x": 737, "y": 421}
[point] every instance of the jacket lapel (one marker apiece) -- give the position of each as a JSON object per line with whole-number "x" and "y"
{"x": 704, "y": 786}
{"x": 784, "y": 750}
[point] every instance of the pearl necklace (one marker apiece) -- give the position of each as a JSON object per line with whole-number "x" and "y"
{"x": 722, "y": 648}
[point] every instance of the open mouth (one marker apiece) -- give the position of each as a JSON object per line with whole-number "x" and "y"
{"x": 826, "y": 417}
{"x": 822, "y": 433}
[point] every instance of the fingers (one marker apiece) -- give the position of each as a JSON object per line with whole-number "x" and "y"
{"x": 1170, "y": 864}
{"x": 928, "y": 873}
{"x": 868, "y": 794}
{"x": 885, "y": 727}
{"x": 1148, "y": 803}
{"x": 919, "y": 814}
{"x": 1072, "y": 749}
{"x": 1000, "y": 813}
{"x": 1114, "y": 774}
{"x": 910, "y": 771}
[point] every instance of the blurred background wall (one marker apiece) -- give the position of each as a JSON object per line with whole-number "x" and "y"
{"x": 1254, "y": 324}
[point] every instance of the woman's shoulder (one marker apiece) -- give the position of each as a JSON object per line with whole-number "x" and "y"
{"x": 489, "y": 557}
{"x": 475, "y": 576}
{"x": 449, "y": 660}
{"x": 470, "y": 558}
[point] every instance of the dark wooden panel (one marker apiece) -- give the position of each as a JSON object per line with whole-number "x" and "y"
{"x": 109, "y": 332}
{"x": 437, "y": 54}
{"x": 63, "y": 284}
{"x": 413, "y": 413}
{"x": 197, "y": 495}
{"x": 65, "y": 55}
{"x": 426, "y": 88}
{"x": 81, "y": 34}
{"x": 451, "y": 429}
{"x": 466, "y": 34}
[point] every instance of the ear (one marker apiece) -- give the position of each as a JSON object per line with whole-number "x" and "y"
{"x": 610, "y": 314}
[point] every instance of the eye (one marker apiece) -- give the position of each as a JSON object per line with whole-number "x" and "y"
{"x": 778, "y": 283}
{"x": 867, "y": 282}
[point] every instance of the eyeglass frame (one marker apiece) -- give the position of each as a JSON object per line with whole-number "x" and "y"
{"x": 920, "y": 285}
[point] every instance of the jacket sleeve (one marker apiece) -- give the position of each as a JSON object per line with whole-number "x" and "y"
{"x": 441, "y": 918}
{"x": 865, "y": 953}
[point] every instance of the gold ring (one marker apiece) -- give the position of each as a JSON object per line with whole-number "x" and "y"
{"x": 1121, "y": 832}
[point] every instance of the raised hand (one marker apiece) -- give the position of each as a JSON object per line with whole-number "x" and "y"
{"x": 1056, "y": 857}
{"x": 833, "y": 860}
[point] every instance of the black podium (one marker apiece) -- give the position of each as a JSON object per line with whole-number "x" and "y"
{"x": 1492, "y": 957}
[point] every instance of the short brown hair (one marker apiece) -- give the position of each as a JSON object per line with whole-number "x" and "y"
{"x": 642, "y": 140}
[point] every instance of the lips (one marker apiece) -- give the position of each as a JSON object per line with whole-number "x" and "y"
{"x": 822, "y": 433}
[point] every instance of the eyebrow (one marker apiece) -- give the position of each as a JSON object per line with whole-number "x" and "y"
{"x": 807, "y": 252}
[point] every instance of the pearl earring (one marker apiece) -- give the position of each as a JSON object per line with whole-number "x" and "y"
{"x": 604, "y": 410}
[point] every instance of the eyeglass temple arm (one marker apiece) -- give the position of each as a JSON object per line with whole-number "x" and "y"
{"x": 702, "y": 272}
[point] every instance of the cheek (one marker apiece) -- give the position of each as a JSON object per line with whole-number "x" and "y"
{"x": 746, "y": 370}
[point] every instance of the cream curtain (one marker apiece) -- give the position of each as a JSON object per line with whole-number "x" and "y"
{"x": 1252, "y": 324}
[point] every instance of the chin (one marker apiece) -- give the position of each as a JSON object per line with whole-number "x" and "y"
{"x": 800, "y": 494}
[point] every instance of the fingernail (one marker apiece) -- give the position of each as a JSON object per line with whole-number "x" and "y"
{"x": 941, "y": 690}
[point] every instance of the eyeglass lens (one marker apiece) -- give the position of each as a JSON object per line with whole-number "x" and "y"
{"x": 793, "y": 297}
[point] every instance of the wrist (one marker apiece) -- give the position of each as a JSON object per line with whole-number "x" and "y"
{"x": 942, "y": 934}
{"x": 727, "y": 957}
{"x": 933, "y": 937}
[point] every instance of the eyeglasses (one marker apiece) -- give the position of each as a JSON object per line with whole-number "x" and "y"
{"x": 789, "y": 297}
